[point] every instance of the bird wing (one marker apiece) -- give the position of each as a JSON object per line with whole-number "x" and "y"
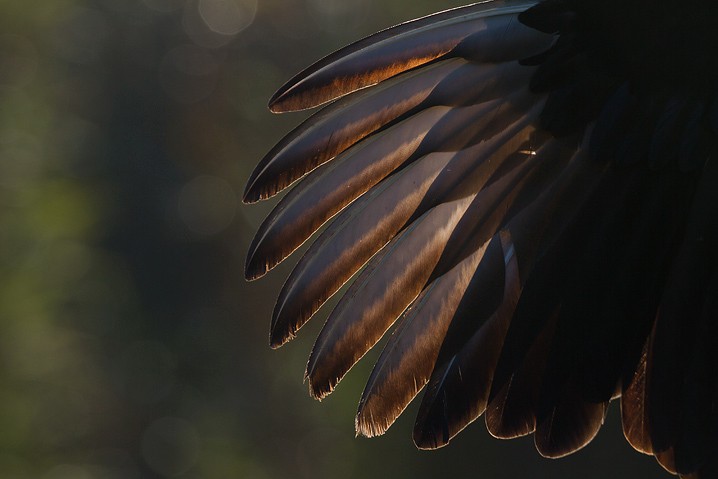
{"x": 539, "y": 224}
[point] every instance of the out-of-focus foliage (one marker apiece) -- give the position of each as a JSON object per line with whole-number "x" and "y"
{"x": 130, "y": 346}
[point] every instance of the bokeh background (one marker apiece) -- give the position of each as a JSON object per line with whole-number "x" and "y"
{"x": 130, "y": 345}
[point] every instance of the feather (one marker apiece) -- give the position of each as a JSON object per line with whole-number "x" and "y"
{"x": 539, "y": 306}
{"x": 408, "y": 357}
{"x": 440, "y": 417}
{"x": 452, "y": 401}
{"x": 687, "y": 311}
{"x": 667, "y": 460}
{"x": 607, "y": 315}
{"x": 382, "y": 292}
{"x": 693, "y": 437}
{"x": 513, "y": 402}
{"x": 331, "y": 187}
{"x": 537, "y": 212}
{"x": 511, "y": 409}
{"x": 370, "y": 223}
{"x": 634, "y": 417}
{"x": 387, "y": 287}
{"x": 484, "y": 32}
{"x": 459, "y": 383}
{"x": 570, "y": 425}
{"x": 453, "y": 82}
{"x": 341, "y": 124}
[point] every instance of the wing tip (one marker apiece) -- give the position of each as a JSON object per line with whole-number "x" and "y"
{"x": 264, "y": 182}
{"x": 289, "y": 96}
{"x": 280, "y": 333}
{"x": 318, "y": 389}
{"x": 277, "y": 104}
{"x": 277, "y": 340}
{"x": 428, "y": 440}
{"x": 282, "y": 329}
{"x": 368, "y": 426}
{"x": 251, "y": 195}
{"x": 293, "y": 97}
{"x": 254, "y": 267}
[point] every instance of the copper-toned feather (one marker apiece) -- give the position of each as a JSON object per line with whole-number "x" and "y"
{"x": 431, "y": 245}
{"x": 343, "y": 123}
{"x": 407, "y": 361}
{"x": 636, "y": 426}
{"x": 331, "y": 187}
{"x": 511, "y": 406}
{"x": 452, "y": 82}
{"x": 528, "y": 189}
{"x": 491, "y": 296}
{"x": 570, "y": 425}
{"x": 390, "y": 388}
{"x": 476, "y": 357}
{"x": 358, "y": 233}
{"x": 487, "y": 32}
{"x": 380, "y": 294}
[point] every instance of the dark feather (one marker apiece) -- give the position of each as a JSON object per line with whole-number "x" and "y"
{"x": 569, "y": 425}
{"x": 534, "y": 203}
{"x": 407, "y": 360}
{"x": 488, "y": 32}
{"x": 487, "y": 304}
{"x": 369, "y": 224}
{"x": 634, "y": 417}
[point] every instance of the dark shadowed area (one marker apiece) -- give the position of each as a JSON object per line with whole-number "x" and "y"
{"x": 130, "y": 344}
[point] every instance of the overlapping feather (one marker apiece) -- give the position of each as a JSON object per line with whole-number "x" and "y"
{"x": 488, "y": 239}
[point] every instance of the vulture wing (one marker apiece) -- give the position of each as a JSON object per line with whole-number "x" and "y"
{"x": 527, "y": 189}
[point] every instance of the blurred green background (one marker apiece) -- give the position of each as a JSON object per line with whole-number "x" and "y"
{"x": 130, "y": 345}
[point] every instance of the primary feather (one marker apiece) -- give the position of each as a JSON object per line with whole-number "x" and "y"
{"x": 530, "y": 191}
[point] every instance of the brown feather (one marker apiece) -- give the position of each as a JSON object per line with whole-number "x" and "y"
{"x": 461, "y": 31}
{"x": 406, "y": 363}
{"x": 570, "y": 425}
{"x": 459, "y": 387}
{"x": 329, "y": 132}
{"x": 363, "y": 229}
{"x": 331, "y": 187}
{"x": 511, "y": 410}
{"x": 636, "y": 426}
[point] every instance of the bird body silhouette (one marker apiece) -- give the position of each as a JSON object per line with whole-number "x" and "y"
{"x": 527, "y": 193}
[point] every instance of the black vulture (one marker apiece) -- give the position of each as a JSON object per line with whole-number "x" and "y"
{"x": 527, "y": 193}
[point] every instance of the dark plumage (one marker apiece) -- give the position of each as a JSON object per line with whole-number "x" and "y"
{"x": 529, "y": 191}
